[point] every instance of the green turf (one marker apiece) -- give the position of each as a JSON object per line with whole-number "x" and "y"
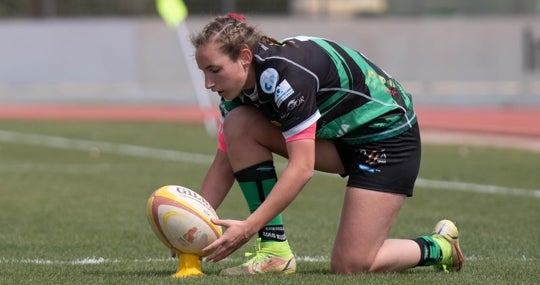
{"x": 77, "y": 216}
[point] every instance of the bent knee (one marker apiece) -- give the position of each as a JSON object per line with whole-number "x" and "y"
{"x": 238, "y": 117}
{"x": 347, "y": 266}
{"x": 239, "y": 123}
{"x": 246, "y": 125}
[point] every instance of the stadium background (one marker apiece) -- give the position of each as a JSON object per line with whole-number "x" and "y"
{"x": 472, "y": 65}
{"x": 73, "y": 190}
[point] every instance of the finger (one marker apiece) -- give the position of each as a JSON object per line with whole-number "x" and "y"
{"x": 214, "y": 245}
{"x": 219, "y": 254}
{"x": 213, "y": 257}
{"x": 218, "y": 242}
{"x": 216, "y": 250}
{"x": 223, "y": 223}
{"x": 222, "y": 252}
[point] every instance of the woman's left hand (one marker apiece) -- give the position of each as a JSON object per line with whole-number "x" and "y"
{"x": 235, "y": 235}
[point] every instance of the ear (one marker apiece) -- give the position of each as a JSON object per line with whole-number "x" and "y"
{"x": 245, "y": 57}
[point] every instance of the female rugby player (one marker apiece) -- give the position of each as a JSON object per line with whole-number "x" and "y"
{"x": 323, "y": 106}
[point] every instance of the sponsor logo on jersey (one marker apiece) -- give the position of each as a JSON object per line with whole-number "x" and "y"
{"x": 283, "y": 91}
{"x": 268, "y": 80}
{"x": 291, "y": 106}
{"x": 295, "y": 103}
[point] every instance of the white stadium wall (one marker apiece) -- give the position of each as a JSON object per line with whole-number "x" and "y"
{"x": 453, "y": 60}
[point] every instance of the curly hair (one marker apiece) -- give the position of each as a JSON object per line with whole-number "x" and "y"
{"x": 233, "y": 33}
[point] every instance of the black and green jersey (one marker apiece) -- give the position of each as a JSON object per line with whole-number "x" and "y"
{"x": 317, "y": 80}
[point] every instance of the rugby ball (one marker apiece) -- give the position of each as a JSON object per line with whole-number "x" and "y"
{"x": 181, "y": 219}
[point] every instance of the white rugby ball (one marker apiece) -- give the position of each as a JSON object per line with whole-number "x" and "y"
{"x": 181, "y": 219}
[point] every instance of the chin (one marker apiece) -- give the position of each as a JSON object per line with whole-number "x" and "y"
{"x": 228, "y": 96}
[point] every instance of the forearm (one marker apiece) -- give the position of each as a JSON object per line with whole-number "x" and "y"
{"x": 287, "y": 188}
{"x": 218, "y": 180}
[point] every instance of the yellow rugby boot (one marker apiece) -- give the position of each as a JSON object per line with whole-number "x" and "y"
{"x": 446, "y": 234}
{"x": 269, "y": 257}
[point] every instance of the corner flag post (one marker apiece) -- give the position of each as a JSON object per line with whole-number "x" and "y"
{"x": 174, "y": 12}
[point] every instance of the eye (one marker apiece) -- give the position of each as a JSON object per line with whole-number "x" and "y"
{"x": 214, "y": 70}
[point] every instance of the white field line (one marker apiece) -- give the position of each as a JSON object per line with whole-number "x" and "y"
{"x": 479, "y": 188}
{"x": 101, "y": 146}
{"x": 102, "y": 260}
{"x": 175, "y": 155}
{"x": 68, "y": 168}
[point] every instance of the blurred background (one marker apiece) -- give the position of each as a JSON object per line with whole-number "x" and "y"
{"x": 459, "y": 53}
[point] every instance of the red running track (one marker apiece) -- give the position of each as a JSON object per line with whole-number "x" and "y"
{"x": 495, "y": 120}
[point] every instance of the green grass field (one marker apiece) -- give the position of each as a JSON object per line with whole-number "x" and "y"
{"x": 73, "y": 199}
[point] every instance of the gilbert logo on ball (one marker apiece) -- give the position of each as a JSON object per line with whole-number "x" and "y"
{"x": 181, "y": 219}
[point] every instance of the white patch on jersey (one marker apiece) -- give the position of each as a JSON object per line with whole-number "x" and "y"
{"x": 303, "y": 38}
{"x": 303, "y": 125}
{"x": 283, "y": 91}
{"x": 268, "y": 80}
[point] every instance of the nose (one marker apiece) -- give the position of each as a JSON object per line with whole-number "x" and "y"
{"x": 208, "y": 83}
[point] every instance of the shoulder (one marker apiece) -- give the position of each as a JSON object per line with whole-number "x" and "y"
{"x": 292, "y": 48}
{"x": 297, "y": 52}
{"x": 226, "y": 106}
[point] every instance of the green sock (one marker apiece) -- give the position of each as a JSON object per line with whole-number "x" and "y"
{"x": 431, "y": 251}
{"x": 256, "y": 183}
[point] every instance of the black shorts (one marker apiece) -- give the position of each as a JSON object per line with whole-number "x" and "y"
{"x": 390, "y": 165}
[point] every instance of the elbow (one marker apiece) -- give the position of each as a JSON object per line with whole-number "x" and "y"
{"x": 301, "y": 176}
{"x": 311, "y": 173}
{"x": 307, "y": 174}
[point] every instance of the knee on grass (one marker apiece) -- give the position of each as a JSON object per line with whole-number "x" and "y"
{"x": 346, "y": 266}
